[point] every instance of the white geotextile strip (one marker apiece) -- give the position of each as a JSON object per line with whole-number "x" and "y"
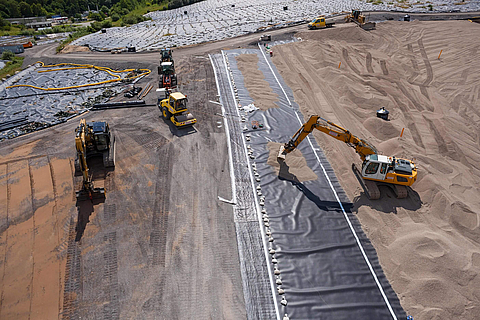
{"x": 229, "y": 144}
{"x": 257, "y": 205}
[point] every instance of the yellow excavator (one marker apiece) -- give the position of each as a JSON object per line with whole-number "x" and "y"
{"x": 93, "y": 139}
{"x": 376, "y": 169}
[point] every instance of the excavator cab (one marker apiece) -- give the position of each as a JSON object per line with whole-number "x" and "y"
{"x": 101, "y": 135}
{"x": 379, "y": 169}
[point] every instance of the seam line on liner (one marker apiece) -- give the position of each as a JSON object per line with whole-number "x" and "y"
{"x": 229, "y": 145}
{"x": 387, "y": 302}
{"x": 257, "y": 206}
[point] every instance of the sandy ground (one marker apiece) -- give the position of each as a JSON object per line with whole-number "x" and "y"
{"x": 258, "y": 88}
{"x": 428, "y": 244}
{"x": 36, "y": 205}
{"x": 160, "y": 243}
{"x": 72, "y": 48}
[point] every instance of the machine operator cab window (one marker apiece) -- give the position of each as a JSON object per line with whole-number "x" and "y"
{"x": 383, "y": 168}
{"x": 376, "y": 167}
{"x": 180, "y": 104}
{"x": 178, "y": 101}
{"x": 372, "y": 168}
{"x": 100, "y": 134}
{"x": 101, "y": 141}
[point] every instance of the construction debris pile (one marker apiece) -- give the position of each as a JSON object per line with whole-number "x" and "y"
{"x": 41, "y": 96}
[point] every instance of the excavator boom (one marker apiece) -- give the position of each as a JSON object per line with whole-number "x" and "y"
{"x": 362, "y": 147}
{"x": 80, "y": 144}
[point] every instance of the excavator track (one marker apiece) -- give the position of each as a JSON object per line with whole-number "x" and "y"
{"x": 78, "y": 168}
{"x": 109, "y": 157}
{"x": 400, "y": 191}
{"x": 370, "y": 187}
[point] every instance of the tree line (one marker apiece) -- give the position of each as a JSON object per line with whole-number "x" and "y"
{"x": 74, "y": 8}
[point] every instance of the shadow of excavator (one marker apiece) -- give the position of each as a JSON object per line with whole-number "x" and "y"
{"x": 388, "y": 202}
{"x": 325, "y": 205}
{"x": 85, "y": 207}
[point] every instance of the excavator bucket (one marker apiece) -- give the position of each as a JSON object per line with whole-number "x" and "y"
{"x": 92, "y": 194}
{"x": 281, "y": 153}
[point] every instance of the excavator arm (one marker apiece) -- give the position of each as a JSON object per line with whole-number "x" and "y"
{"x": 362, "y": 147}
{"x": 81, "y": 147}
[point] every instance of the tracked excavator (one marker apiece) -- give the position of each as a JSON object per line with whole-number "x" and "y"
{"x": 93, "y": 139}
{"x": 376, "y": 169}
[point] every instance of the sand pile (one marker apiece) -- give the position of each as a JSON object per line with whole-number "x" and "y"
{"x": 259, "y": 89}
{"x": 429, "y": 243}
{"x": 294, "y": 168}
{"x": 73, "y": 48}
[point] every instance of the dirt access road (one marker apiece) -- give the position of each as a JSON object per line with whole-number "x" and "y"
{"x": 162, "y": 246}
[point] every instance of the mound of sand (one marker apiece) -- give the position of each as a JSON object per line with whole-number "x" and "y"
{"x": 71, "y": 48}
{"x": 258, "y": 88}
{"x": 429, "y": 243}
{"x": 294, "y": 168}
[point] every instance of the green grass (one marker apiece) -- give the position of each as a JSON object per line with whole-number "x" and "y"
{"x": 17, "y": 31}
{"x": 71, "y": 37}
{"x": 11, "y": 67}
{"x": 14, "y": 31}
{"x": 146, "y": 9}
{"x": 141, "y": 10}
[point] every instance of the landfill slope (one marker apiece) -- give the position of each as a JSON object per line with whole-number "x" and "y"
{"x": 428, "y": 243}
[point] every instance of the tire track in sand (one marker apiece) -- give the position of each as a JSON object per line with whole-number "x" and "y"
{"x": 369, "y": 62}
{"x": 349, "y": 62}
{"x": 428, "y": 68}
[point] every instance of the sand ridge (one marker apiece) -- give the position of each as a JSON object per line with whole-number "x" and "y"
{"x": 428, "y": 244}
{"x": 259, "y": 89}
